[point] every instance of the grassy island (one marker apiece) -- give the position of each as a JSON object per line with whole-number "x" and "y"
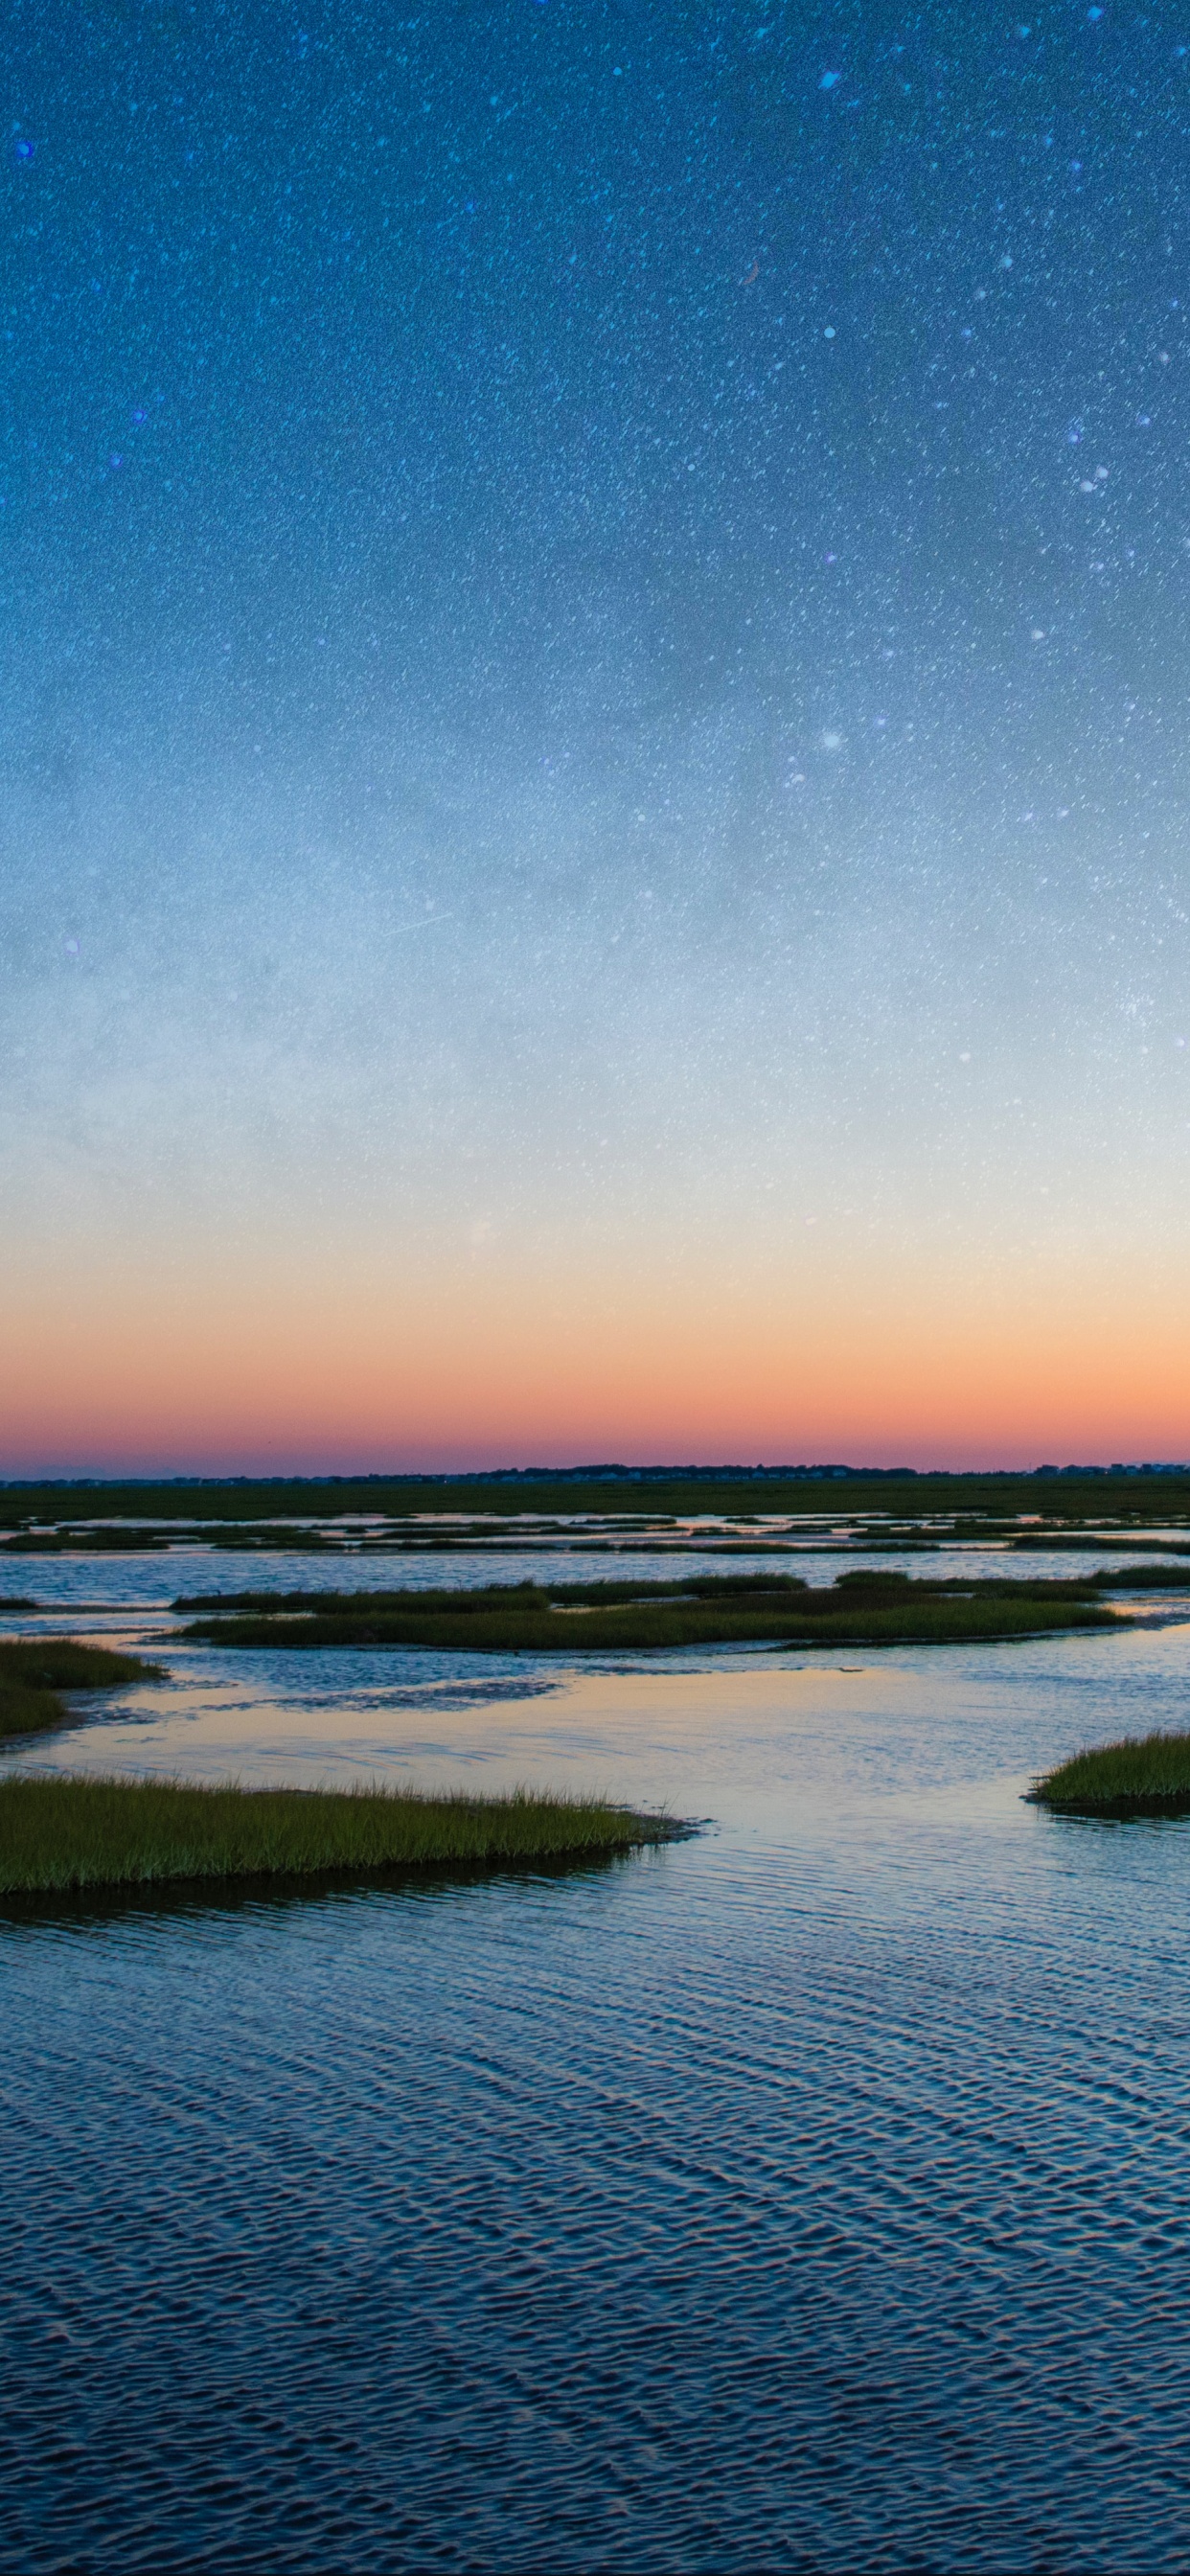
{"x": 58, "y": 1834}
{"x": 1142, "y": 1775}
{"x": 862, "y": 1608}
{"x": 35, "y": 1670}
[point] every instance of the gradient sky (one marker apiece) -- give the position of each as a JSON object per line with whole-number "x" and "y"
{"x": 594, "y": 734}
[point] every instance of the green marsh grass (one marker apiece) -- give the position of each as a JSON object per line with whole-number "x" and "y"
{"x": 35, "y": 1670}
{"x": 1142, "y": 1775}
{"x": 980, "y": 1501}
{"x": 863, "y": 1607}
{"x": 1029, "y": 1544}
{"x": 68, "y": 1832}
{"x": 88, "y": 1542}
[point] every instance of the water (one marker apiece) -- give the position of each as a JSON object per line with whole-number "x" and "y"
{"x": 806, "y": 2195}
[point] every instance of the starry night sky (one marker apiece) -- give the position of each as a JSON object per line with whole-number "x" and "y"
{"x": 596, "y": 603}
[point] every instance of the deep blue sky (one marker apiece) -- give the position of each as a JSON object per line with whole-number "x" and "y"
{"x": 595, "y": 635}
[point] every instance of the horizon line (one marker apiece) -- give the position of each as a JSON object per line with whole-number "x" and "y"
{"x": 606, "y": 1472}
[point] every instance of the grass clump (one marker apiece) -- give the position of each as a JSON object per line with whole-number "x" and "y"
{"x": 57, "y": 1834}
{"x": 1142, "y": 1775}
{"x": 862, "y": 1608}
{"x": 96, "y": 1541}
{"x": 34, "y": 1670}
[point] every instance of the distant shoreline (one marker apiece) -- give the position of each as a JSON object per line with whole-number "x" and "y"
{"x": 1061, "y": 1496}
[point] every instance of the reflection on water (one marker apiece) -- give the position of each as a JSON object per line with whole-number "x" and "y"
{"x": 155, "y": 1581}
{"x": 807, "y": 2195}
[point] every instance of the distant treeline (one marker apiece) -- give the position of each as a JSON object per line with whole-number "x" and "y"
{"x": 595, "y": 1475}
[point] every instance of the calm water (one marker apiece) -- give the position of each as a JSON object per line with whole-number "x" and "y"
{"x": 807, "y": 2195}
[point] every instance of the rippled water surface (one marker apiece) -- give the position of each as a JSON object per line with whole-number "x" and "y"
{"x": 810, "y": 2194}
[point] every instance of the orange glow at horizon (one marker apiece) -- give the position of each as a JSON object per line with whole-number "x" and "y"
{"x": 489, "y": 1368}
